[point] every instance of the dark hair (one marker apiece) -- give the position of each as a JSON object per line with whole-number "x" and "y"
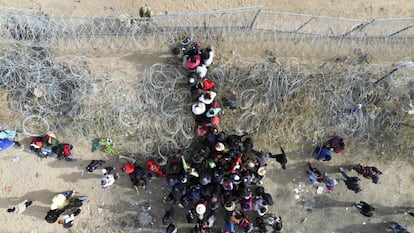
{"x": 77, "y": 203}
{"x": 205, "y": 55}
{"x": 11, "y": 210}
{"x": 193, "y": 59}
{"x": 259, "y": 191}
{"x": 207, "y": 96}
{"x": 76, "y": 212}
{"x": 171, "y": 227}
{"x": 176, "y": 51}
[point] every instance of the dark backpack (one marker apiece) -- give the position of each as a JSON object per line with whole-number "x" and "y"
{"x": 268, "y": 198}
{"x": 53, "y": 215}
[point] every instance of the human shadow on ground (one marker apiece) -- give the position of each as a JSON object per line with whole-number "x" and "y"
{"x": 365, "y": 228}
{"x": 75, "y": 176}
{"x": 42, "y": 196}
{"x": 326, "y": 202}
{"x": 77, "y": 163}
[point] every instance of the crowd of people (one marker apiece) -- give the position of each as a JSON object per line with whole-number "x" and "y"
{"x": 220, "y": 174}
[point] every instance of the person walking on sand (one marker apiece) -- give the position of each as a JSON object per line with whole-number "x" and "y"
{"x": 20, "y": 208}
{"x": 353, "y": 182}
{"x": 314, "y": 175}
{"x": 368, "y": 172}
{"x": 280, "y": 158}
{"x": 108, "y": 179}
{"x": 365, "y": 209}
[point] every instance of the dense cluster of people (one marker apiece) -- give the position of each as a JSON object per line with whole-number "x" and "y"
{"x": 48, "y": 146}
{"x": 221, "y": 174}
{"x": 65, "y": 207}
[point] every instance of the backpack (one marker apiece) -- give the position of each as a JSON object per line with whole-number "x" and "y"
{"x": 268, "y": 198}
{"x": 53, "y": 215}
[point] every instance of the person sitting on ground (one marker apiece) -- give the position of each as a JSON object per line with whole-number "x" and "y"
{"x": 323, "y": 154}
{"x": 20, "y": 208}
{"x": 280, "y": 158}
{"x": 53, "y": 215}
{"x": 108, "y": 179}
{"x": 68, "y": 220}
{"x": 93, "y": 165}
{"x": 368, "y": 172}
{"x": 336, "y": 144}
{"x": 330, "y": 182}
{"x": 138, "y": 178}
{"x": 154, "y": 167}
{"x": 63, "y": 151}
{"x": 8, "y": 135}
{"x": 365, "y": 209}
{"x": 353, "y": 183}
{"x": 314, "y": 175}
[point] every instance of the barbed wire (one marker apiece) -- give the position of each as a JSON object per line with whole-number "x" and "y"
{"x": 286, "y": 101}
{"x": 233, "y": 26}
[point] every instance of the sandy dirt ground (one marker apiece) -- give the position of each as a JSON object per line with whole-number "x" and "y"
{"x": 119, "y": 208}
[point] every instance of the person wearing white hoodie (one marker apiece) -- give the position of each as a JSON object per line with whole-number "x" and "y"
{"x": 207, "y": 56}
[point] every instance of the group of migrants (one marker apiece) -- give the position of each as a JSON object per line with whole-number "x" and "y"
{"x": 324, "y": 153}
{"x": 220, "y": 175}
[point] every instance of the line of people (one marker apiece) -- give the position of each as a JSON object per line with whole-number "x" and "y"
{"x": 220, "y": 172}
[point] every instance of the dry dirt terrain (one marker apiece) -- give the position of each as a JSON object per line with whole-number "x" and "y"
{"x": 119, "y": 209}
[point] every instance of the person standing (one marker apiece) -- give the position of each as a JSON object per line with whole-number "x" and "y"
{"x": 353, "y": 183}
{"x": 280, "y": 158}
{"x": 20, "y": 208}
{"x": 365, "y": 209}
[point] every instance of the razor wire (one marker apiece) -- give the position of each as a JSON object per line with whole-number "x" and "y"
{"x": 285, "y": 101}
{"x": 250, "y": 24}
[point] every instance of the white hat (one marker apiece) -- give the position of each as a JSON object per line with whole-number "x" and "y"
{"x": 219, "y": 146}
{"x": 58, "y": 202}
{"x": 198, "y": 108}
{"x": 261, "y": 171}
{"x": 259, "y": 210}
{"x": 200, "y": 209}
{"x": 251, "y": 164}
{"x": 231, "y": 207}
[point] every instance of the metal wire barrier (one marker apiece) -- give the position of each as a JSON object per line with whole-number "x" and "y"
{"x": 291, "y": 103}
{"x": 149, "y": 112}
{"x": 250, "y": 24}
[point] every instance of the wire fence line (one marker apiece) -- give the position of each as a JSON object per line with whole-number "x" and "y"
{"x": 151, "y": 108}
{"x": 283, "y": 100}
{"x": 232, "y": 25}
